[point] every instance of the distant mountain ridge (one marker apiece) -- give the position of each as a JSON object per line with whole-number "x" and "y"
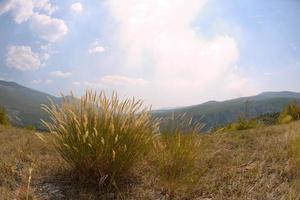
{"x": 218, "y": 113}
{"x": 24, "y": 106}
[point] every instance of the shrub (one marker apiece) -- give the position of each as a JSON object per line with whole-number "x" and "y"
{"x": 101, "y": 138}
{"x": 285, "y": 119}
{"x": 174, "y": 160}
{"x": 241, "y": 124}
{"x": 30, "y": 127}
{"x": 290, "y": 113}
{"x": 3, "y": 116}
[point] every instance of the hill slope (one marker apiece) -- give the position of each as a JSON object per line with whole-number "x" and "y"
{"x": 214, "y": 113}
{"x": 23, "y": 104}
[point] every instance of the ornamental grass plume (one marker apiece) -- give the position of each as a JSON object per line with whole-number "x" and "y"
{"x": 102, "y": 138}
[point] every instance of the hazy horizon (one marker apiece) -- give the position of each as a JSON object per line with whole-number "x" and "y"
{"x": 169, "y": 53}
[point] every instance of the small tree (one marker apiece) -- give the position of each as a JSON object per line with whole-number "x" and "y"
{"x": 3, "y": 116}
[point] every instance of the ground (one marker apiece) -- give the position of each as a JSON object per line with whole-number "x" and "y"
{"x": 250, "y": 164}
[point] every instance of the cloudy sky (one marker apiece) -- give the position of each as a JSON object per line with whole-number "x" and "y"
{"x": 167, "y": 52}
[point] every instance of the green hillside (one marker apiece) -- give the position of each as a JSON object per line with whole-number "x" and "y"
{"x": 23, "y": 104}
{"x": 214, "y": 114}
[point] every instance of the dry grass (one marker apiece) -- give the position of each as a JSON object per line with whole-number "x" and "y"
{"x": 249, "y": 164}
{"x": 22, "y": 153}
{"x": 174, "y": 162}
{"x": 252, "y": 164}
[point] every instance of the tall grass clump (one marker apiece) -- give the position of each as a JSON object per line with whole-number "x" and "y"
{"x": 174, "y": 162}
{"x": 295, "y": 149}
{"x": 101, "y": 137}
{"x": 3, "y": 116}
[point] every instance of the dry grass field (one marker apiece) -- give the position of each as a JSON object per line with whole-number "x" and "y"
{"x": 260, "y": 163}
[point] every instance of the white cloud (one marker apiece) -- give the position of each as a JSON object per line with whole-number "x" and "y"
{"x": 93, "y": 85}
{"x": 122, "y": 80}
{"x": 21, "y": 9}
{"x": 36, "y": 81}
{"x": 97, "y": 49}
{"x": 111, "y": 81}
{"x": 60, "y": 74}
{"x": 44, "y": 5}
{"x": 22, "y": 58}
{"x": 50, "y": 29}
{"x": 47, "y": 51}
{"x": 76, "y": 7}
{"x": 41, "y": 81}
{"x": 47, "y": 27}
{"x": 184, "y": 65}
{"x": 77, "y": 83}
{"x": 49, "y": 81}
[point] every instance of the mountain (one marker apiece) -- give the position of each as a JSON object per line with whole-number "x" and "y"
{"x": 218, "y": 113}
{"x": 24, "y": 104}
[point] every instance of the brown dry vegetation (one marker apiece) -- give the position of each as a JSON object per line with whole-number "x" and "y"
{"x": 259, "y": 164}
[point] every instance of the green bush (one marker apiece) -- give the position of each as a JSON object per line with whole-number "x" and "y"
{"x": 101, "y": 138}
{"x": 3, "y": 116}
{"x": 174, "y": 159}
{"x": 241, "y": 124}
{"x": 290, "y": 113}
{"x": 30, "y": 127}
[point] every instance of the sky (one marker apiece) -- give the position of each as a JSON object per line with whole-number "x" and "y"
{"x": 167, "y": 52}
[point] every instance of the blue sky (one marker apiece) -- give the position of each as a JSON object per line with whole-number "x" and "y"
{"x": 169, "y": 53}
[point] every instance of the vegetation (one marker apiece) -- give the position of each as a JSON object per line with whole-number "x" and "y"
{"x": 30, "y": 127}
{"x": 20, "y": 151}
{"x": 105, "y": 141}
{"x": 3, "y": 116}
{"x": 25, "y": 103}
{"x": 290, "y": 113}
{"x": 101, "y": 138}
{"x": 250, "y": 164}
{"x": 241, "y": 124}
{"x": 174, "y": 160}
{"x": 218, "y": 114}
{"x": 268, "y": 118}
{"x": 295, "y": 149}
